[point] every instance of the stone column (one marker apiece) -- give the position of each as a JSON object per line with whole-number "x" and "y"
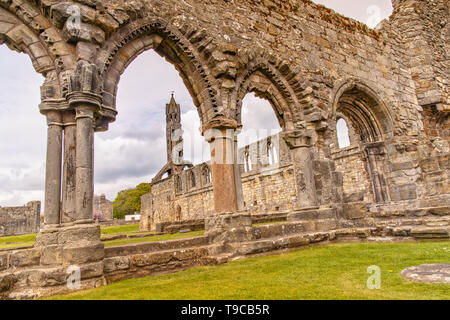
{"x": 229, "y": 224}
{"x": 237, "y": 174}
{"x": 223, "y": 171}
{"x": 53, "y": 170}
{"x": 379, "y": 190}
{"x": 69, "y": 169}
{"x": 84, "y": 163}
{"x": 300, "y": 145}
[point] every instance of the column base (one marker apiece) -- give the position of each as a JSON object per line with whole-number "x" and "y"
{"x": 61, "y": 256}
{"x": 230, "y": 227}
{"x": 70, "y": 245}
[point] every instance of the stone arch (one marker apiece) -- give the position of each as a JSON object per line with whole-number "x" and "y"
{"x": 272, "y": 84}
{"x": 176, "y": 47}
{"x": 370, "y": 122}
{"x": 364, "y": 109}
{"x": 24, "y": 29}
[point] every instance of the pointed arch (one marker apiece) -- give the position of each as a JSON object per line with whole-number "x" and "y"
{"x": 174, "y": 45}
{"x": 267, "y": 82}
{"x": 367, "y": 113}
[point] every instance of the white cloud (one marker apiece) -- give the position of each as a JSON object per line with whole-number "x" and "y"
{"x": 370, "y": 12}
{"x": 23, "y": 131}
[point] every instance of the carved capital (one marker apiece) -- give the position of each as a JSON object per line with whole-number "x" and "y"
{"x": 50, "y": 105}
{"x": 84, "y": 86}
{"x": 298, "y": 139}
{"x": 84, "y": 99}
{"x": 220, "y": 123}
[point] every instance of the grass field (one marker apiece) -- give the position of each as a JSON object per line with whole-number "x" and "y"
{"x": 165, "y": 237}
{"x": 337, "y": 271}
{"x": 120, "y": 229}
{"x": 28, "y": 240}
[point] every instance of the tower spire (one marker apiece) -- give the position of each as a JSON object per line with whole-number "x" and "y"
{"x": 174, "y": 134}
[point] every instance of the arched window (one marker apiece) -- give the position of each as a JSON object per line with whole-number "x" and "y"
{"x": 178, "y": 184}
{"x": 272, "y": 155}
{"x": 206, "y": 175}
{"x": 258, "y": 120}
{"x": 191, "y": 177}
{"x": 343, "y": 136}
{"x": 248, "y": 160}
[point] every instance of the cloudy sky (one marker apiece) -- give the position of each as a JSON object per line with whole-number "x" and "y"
{"x": 134, "y": 148}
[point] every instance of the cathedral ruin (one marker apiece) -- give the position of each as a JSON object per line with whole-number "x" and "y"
{"x": 315, "y": 67}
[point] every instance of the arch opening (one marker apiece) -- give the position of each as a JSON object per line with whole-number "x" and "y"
{"x": 22, "y": 164}
{"x": 343, "y": 135}
{"x": 362, "y": 124}
{"x": 157, "y": 119}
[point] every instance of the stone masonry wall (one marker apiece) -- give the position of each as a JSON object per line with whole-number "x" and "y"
{"x": 103, "y": 208}
{"x": 266, "y": 187}
{"x": 20, "y": 220}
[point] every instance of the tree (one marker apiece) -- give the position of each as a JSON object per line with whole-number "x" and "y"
{"x": 129, "y": 201}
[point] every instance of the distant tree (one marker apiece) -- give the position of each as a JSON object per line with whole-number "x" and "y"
{"x": 129, "y": 201}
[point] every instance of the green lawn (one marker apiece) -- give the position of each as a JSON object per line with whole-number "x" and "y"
{"x": 120, "y": 229}
{"x": 337, "y": 271}
{"x": 165, "y": 237}
{"x": 28, "y": 239}
{"x": 17, "y": 241}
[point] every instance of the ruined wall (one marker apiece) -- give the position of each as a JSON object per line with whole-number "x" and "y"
{"x": 300, "y": 56}
{"x": 103, "y": 208}
{"x": 356, "y": 181}
{"x": 267, "y": 187}
{"x": 20, "y": 220}
{"x": 424, "y": 29}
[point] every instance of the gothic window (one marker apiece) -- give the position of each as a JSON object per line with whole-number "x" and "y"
{"x": 248, "y": 160}
{"x": 272, "y": 156}
{"x": 206, "y": 175}
{"x": 178, "y": 184}
{"x": 191, "y": 177}
{"x": 342, "y": 133}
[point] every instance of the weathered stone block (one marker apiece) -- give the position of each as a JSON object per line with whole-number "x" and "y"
{"x": 51, "y": 255}
{"x": 90, "y": 233}
{"x": 83, "y": 252}
{"x": 403, "y": 192}
{"x": 91, "y": 270}
{"x": 45, "y": 277}
{"x": 25, "y": 258}
{"x": 4, "y": 257}
{"x": 116, "y": 264}
{"x": 7, "y": 282}
{"x": 44, "y": 239}
{"x": 355, "y": 210}
{"x": 298, "y": 241}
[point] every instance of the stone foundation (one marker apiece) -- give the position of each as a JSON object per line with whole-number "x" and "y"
{"x": 42, "y": 270}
